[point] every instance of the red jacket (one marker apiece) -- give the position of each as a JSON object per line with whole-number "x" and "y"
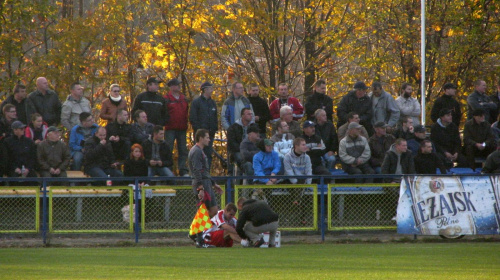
{"x": 178, "y": 112}
{"x": 297, "y": 108}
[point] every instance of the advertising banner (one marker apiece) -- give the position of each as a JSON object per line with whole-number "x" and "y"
{"x": 451, "y": 206}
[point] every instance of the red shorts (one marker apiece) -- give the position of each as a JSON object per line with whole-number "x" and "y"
{"x": 217, "y": 239}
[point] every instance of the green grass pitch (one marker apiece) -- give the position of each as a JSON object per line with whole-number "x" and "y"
{"x": 318, "y": 261}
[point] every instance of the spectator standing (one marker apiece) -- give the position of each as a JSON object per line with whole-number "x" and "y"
{"x": 479, "y": 100}
{"x": 351, "y": 117}
{"x": 495, "y": 97}
{"x": 356, "y": 101}
{"x": 141, "y": 128}
{"x": 286, "y": 115}
{"x": 74, "y": 105}
{"x": 283, "y": 140}
{"x": 21, "y": 153}
{"x": 408, "y": 105}
{"x": 46, "y": 102}
{"x": 119, "y": 133}
{"x": 398, "y": 160}
{"x": 175, "y": 128}
{"x": 285, "y": 100}
{"x": 379, "y": 143}
{"x": 478, "y": 138}
{"x": 260, "y": 109}
{"x": 203, "y": 114}
{"x": 53, "y": 155}
{"x": 158, "y": 154}
{"x": 9, "y": 116}
{"x": 99, "y": 160}
{"x": 354, "y": 153}
{"x": 319, "y": 100}
{"x": 446, "y": 138}
{"x": 112, "y": 104}
{"x": 427, "y": 161}
{"x": 384, "y": 106}
{"x": 37, "y": 129}
{"x": 447, "y": 101}
{"x": 77, "y": 137}
{"x": 326, "y": 130}
{"x": 24, "y": 106}
{"x": 152, "y": 103}
{"x": 233, "y": 106}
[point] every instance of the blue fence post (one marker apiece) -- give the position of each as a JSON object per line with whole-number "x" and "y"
{"x": 229, "y": 189}
{"x": 322, "y": 208}
{"x": 136, "y": 210}
{"x": 44, "y": 211}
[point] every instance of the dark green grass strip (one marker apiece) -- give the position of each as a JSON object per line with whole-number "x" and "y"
{"x": 318, "y": 261}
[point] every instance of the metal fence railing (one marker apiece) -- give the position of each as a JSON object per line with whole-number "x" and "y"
{"x": 79, "y": 207}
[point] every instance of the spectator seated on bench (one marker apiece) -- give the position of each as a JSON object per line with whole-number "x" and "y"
{"x": 53, "y": 155}
{"x": 99, "y": 157}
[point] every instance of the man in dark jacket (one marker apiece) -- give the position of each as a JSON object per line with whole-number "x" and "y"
{"x": 380, "y": 143}
{"x": 427, "y": 161}
{"x": 447, "y": 101}
{"x": 53, "y": 155}
{"x": 326, "y": 130}
{"x": 256, "y": 217}
{"x": 319, "y": 100}
{"x": 9, "y": 116}
{"x": 141, "y": 129}
{"x": 119, "y": 133}
{"x": 492, "y": 163}
{"x": 203, "y": 114}
{"x": 158, "y": 154}
{"x": 152, "y": 103}
{"x": 398, "y": 160}
{"x": 236, "y": 133}
{"x": 356, "y": 101}
{"x": 478, "y": 138}
{"x": 316, "y": 148}
{"x": 99, "y": 160}
{"x": 260, "y": 109}
{"x": 248, "y": 148}
{"x": 446, "y": 138}
{"x": 46, "y": 102}
{"x": 21, "y": 153}
{"x": 479, "y": 100}
{"x": 24, "y": 106}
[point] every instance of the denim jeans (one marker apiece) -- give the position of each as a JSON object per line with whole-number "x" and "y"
{"x": 180, "y": 137}
{"x": 328, "y": 161}
{"x": 77, "y": 161}
{"x": 100, "y": 172}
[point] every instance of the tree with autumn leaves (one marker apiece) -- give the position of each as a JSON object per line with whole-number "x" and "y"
{"x": 266, "y": 42}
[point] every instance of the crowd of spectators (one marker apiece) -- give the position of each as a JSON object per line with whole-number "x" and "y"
{"x": 376, "y": 133}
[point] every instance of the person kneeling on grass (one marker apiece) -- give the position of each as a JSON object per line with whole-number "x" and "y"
{"x": 223, "y": 230}
{"x": 256, "y": 217}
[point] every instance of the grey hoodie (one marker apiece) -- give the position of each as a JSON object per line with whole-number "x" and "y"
{"x": 297, "y": 165}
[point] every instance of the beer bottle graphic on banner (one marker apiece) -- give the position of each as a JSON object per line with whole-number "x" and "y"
{"x": 441, "y": 206}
